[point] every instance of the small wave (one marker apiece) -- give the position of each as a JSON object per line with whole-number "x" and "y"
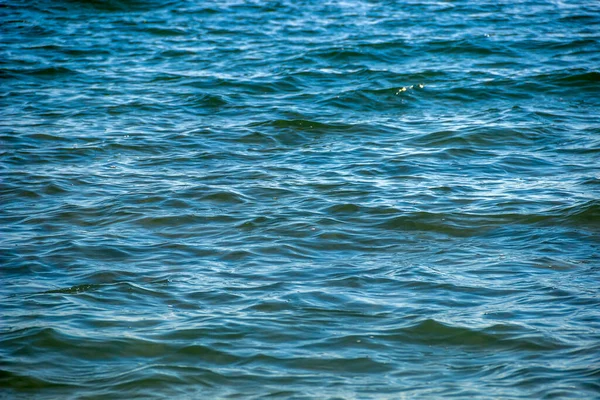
{"x": 168, "y": 221}
{"x": 467, "y": 46}
{"x": 29, "y": 383}
{"x": 578, "y": 77}
{"x": 586, "y": 213}
{"x": 161, "y": 31}
{"x": 378, "y": 99}
{"x": 77, "y": 289}
{"x": 225, "y": 196}
{"x": 207, "y": 355}
{"x": 206, "y": 100}
{"x": 50, "y": 72}
{"x": 304, "y": 125}
{"x": 343, "y": 56}
{"x": 432, "y": 332}
{"x": 118, "y": 5}
{"x": 343, "y": 209}
{"x": 435, "y": 223}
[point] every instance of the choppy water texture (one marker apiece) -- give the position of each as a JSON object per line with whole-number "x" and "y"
{"x": 300, "y": 199}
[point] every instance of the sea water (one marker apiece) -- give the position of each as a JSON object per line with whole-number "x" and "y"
{"x": 299, "y": 199}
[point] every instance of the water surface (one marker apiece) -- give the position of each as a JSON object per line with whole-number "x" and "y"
{"x": 299, "y": 199}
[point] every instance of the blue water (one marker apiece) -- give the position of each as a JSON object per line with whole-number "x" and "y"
{"x": 299, "y": 199}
